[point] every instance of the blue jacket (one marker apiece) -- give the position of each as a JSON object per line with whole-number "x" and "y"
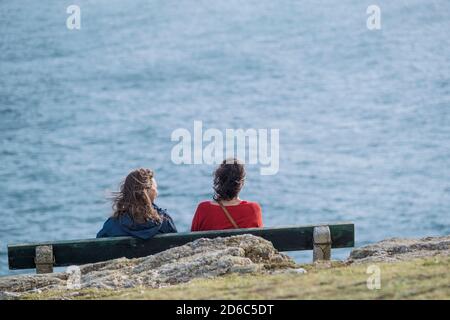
{"x": 125, "y": 226}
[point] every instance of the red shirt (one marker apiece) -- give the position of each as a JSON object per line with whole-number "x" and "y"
{"x": 210, "y": 216}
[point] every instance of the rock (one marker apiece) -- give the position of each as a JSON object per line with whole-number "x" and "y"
{"x": 328, "y": 264}
{"x": 203, "y": 258}
{"x": 397, "y": 249}
{"x": 290, "y": 271}
{"x": 9, "y": 295}
{"x": 322, "y": 264}
{"x": 24, "y": 283}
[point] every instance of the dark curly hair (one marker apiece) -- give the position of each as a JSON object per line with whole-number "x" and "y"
{"x": 134, "y": 197}
{"x": 228, "y": 179}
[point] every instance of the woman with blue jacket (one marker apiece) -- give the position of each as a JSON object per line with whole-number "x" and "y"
{"x": 134, "y": 211}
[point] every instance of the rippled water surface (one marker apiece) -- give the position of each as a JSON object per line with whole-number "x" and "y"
{"x": 364, "y": 116}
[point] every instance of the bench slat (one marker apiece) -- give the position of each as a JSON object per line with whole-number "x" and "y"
{"x": 76, "y": 252}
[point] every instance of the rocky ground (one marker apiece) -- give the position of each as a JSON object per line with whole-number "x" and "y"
{"x": 203, "y": 258}
{"x": 397, "y": 249}
{"x": 245, "y": 267}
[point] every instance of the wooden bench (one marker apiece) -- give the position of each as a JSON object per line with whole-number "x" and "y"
{"x": 46, "y": 255}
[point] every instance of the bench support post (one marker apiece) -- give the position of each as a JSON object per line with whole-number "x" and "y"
{"x": 322, "y": 243}
{"x": 44, "y": 259}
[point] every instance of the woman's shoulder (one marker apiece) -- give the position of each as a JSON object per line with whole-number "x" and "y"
{"x": 203, "y": 207}
{"x": 204, "y": 203}
{"x": 250, "y": 203}
{"x": 159, "y": 209}
{"x": 109, "y": 227}
{"x": 208, "y": 204}
{"x": 110, "y": 221}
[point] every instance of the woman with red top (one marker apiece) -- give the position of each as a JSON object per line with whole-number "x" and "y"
{"x": 227, "y": 211}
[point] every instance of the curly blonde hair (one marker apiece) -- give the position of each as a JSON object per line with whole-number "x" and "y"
{"x": 134, "y": 197}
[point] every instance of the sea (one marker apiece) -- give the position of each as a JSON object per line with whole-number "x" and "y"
{"x": 362, "y": 110}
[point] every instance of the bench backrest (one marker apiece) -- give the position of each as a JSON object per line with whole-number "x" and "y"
{"x": 76, "y": 252}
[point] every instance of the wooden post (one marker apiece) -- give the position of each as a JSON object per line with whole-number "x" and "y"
{"x": 44, "y": 259}
{"x": 322, "y": 243}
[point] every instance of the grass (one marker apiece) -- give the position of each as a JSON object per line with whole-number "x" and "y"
{"x": 417, "y": 279}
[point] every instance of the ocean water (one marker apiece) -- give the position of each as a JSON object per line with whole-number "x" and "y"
{"x": 364, "y": 116}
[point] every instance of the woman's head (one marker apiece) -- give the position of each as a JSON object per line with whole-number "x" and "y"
{"x": 228, "y": 179}
{"x": 136, "y": 196}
